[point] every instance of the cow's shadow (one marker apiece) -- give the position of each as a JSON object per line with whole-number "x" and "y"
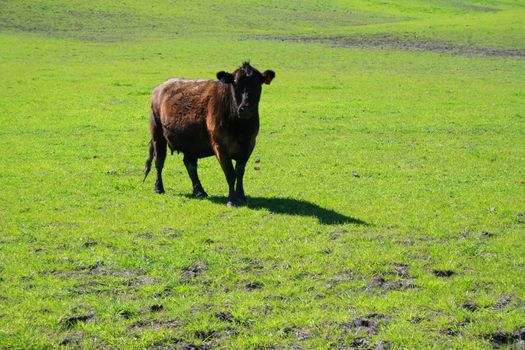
{"x": 290, "y": 206}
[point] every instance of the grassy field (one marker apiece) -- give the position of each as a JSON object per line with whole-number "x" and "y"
{"x": 386, "y": 192}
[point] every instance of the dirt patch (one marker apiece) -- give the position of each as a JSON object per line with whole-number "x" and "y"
{"x": 204, "y": 335}
{"x": 389, "y": 41}
{"x": 156, "y": 325}
{"x": 520, "y": 217}
{"x": 401, "y": 270}
{"x": 503, "y": 302}
{"x": 171, "y": 232}
{"x": 251, "y": 264}
{"x": 368, "y": 324}
{"x": 382, "y": 285}
{"x": 193, "y": 271}
{"x": 309, "y": 275}
{"x": 71, "y": 321}
{"x": 381, "y": 345}
{"x": 442, "y": 273}
{"x": 95, "y": 277}
{"x": 90, "y": 244}
{"x": 73, "y": 339}
{"x": 92, "y": 287}
{"x": 359, "y": 343}
{"x": 470, "y": 306}
{"x": 296, "y": 332}
{"x": 156, "y": 308}
{"x": 253, "y": 286}
{"x": 343, "y": 276}
{"x": 225, "y": 316}
{"x": 336, "y": 234}
{"x": 516, "y": 339}
{"x": 140, "y": 281}
{"x": 364, "y": 327}
{"x": 451, "y": 332}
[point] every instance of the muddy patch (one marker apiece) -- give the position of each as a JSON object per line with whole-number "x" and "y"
{"x": 406, "y": 42}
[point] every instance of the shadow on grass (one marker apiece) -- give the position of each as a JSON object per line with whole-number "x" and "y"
{"x": 292, "y": 206}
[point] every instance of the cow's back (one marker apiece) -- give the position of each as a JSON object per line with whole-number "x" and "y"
{"x": 181, "y": 106}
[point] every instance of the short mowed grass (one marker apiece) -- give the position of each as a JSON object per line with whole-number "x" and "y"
{"x": 386, "y": 191}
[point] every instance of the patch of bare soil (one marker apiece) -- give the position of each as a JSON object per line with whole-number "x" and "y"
{"x": 296, "y": 332}
{"x": 156, "y": 325}
{"x": 389, "y": 41}
{"x": 71, "y": 321}
{"x": 506, "y": 339}
{"x": 362, "y": 328}
{"x": 443, "y": 273}
{"x": 193, "y": 271}
{"x": 225, "y": 316}
{"x": 470, "y": 306}
{"x": 72, "y": 339}
{"x": 503, "y": 302}
{"x": 401, "y": 270}
{"x": 368, "y": 324}
{"x": 253, "y": 286}
{"x": 380, "y": 284}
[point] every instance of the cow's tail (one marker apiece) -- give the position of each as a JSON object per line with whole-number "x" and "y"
{"x": 147, "y": 168}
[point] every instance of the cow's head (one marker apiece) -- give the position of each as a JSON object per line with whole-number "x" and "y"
{"x": 246, "y": 84}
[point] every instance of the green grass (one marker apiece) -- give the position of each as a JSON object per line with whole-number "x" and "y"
{"x": 376, "y": 167}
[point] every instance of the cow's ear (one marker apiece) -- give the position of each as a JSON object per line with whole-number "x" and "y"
{"x": 268, "y": 76}
{"x": 224, "y": 77}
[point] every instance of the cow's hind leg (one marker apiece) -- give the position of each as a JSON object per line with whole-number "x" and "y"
{"x": 191, "y": 166}
{"x": 160, "y": 152}
{"x": 158, "y": 147}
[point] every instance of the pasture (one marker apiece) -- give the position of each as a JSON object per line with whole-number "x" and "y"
{"x": 386, "y": 192}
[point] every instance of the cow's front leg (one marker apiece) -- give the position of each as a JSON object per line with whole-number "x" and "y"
{"x": 239, "y": 175}
{"x": 227, "y": 167}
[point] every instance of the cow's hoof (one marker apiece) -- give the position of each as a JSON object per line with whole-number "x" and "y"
{"x": 236, "y": 203}
{"x": 159, "y": 190}
{"x": 199, "y": 194}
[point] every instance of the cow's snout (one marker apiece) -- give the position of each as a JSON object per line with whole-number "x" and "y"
{"x": 245, "y": 112}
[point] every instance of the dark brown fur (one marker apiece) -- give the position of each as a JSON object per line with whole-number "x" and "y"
{"x": 201, "y": 118}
